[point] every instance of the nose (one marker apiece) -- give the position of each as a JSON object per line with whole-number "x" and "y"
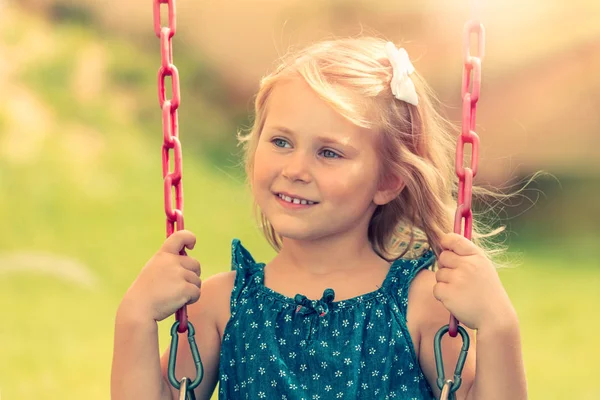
{"x": 297, "y": 167}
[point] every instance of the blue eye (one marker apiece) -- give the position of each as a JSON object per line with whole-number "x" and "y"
{"x": 279, "y": 142}
{"x": 332, "y": 153}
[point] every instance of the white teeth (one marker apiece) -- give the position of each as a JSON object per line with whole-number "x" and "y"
{"x": 295, "y": 201}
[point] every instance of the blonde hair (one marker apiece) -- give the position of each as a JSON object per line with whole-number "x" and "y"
{"x": 353, "y": 76}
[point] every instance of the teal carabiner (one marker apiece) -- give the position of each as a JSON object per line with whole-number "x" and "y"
{"x": 195, "y": 356}
{"x": 439, "y": 363}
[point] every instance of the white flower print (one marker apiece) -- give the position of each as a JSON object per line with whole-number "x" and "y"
{"x": 303, "y": 367}
{"x": 272, "y": 358}
{"x": 297, "y": 331}
{"x": 338, "y": 373}
{"x": 372, "y": 351}
{"x": 253, "y": 325}
{"x": 316, "y": 397}
{"x": 312, "y": 352}
{"x": 349, "y": 383}
{"x": 347, "y": 361}
{"x": 384, "y": 377}
{"x": 281, "y": 373}
{"x": 358, "y": 347}
{"x": 224, "y": 377}
{"x": 273, "y": 383}
{"x": 263, "y": 346}
{"x": 381, "y": 339}
{"x": 316, "y": 377}
{"x": 375, "y": 373}
{"x": 292, "y": 354}
{"x": 287, "y": 318}
{"x": 293, "y": 386}
{"x": 379, "y": 313}
{"x": 324, "y": 364}
{"x": 261, "y": 371}
{"x": 324, "y": 343}
{"x": 262, "y": 395}
{"x": 339, "y": 395}
{"x": 370, "y": 325}
{"x": 328, "y": 388}
{"x": 364, "y": 386}
{"x": 336, "y": 353}
{"x": 282, "y": 342}
{"x": 267, "y": 323}
{"x": 345, "y": 323}
{"x": 335, "y": 332}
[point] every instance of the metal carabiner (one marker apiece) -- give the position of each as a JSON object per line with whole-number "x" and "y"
{"x": 195, "y": 356}
{"x": 450, "y": 386}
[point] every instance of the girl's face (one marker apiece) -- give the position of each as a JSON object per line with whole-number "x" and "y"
{"x": 309, "y": 152}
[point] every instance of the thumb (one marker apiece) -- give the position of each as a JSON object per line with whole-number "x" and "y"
{"x": 178, "y": 241}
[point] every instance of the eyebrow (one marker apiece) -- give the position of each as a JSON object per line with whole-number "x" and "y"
{"x": 324, "y": 139}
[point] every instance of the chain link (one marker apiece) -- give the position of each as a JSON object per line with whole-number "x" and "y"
{"x": 170, "y": 127}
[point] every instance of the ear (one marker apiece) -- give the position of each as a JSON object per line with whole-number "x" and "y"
{"x": 388, "y": 190}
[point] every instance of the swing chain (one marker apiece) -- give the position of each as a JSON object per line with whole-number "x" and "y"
{"x": 170, "y": 125}
{"x": 471, "y": 79}
{"x": 173, "y": 181}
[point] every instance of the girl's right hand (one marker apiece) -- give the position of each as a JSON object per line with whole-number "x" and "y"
{"x": 167, "y": 282}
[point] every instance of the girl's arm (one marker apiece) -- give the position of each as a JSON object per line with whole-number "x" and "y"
{"x": 135, "y": 368}
{"x": 500, "y": 373}
{"x": 211, "y": 311}
{"x": 467, "y": 284}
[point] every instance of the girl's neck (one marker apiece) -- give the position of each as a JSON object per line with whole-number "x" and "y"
{"x": 326, "y": 256}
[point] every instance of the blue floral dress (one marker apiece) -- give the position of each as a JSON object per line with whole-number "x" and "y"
{"x": 280, "y": 348}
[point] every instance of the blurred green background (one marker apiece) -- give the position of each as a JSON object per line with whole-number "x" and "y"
{"x": 80, "y": 171}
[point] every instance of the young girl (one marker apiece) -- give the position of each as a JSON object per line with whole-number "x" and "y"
{"x": 352, "y": 173}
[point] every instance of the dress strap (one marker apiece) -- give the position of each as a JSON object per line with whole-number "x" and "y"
{"x": 402, "y": 272}
{"x": 246, "y": 269}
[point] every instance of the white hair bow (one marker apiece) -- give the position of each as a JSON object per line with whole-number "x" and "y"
{"x": 402, "y": 86}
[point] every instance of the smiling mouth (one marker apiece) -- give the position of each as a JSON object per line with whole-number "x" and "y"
{"x": 293, "y": 200}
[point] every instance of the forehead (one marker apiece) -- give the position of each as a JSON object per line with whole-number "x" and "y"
{"x": 293, "y": 104}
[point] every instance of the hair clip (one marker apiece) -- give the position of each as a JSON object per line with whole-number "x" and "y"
{"x": 402, "y": 86}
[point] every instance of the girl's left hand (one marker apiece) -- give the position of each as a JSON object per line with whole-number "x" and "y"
{"x": 469, "y": 286}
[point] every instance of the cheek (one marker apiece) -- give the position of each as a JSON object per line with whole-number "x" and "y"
{"x": 263, "y": 170}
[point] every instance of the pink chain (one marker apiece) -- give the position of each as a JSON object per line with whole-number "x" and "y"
{"x": 471, "y": 76}
{"x": 170, "y": 125}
